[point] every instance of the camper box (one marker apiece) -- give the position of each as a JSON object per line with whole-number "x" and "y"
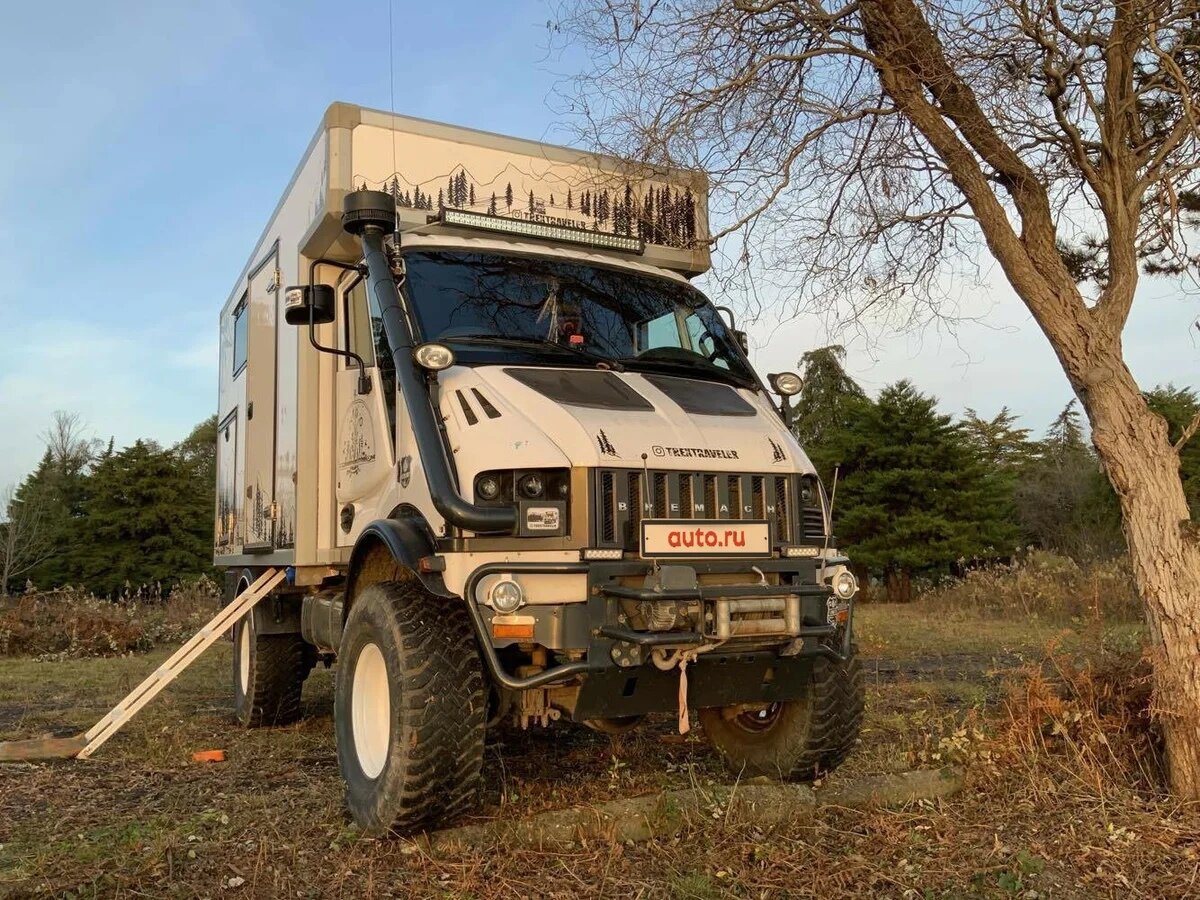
{"x": 294, "y": 454}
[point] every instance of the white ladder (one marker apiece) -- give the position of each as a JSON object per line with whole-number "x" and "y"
{"x": 95, "y": 736}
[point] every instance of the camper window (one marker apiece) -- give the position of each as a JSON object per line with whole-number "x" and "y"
{"x": 240, "y": 334}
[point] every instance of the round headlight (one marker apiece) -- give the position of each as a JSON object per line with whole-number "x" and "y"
{"x": 786, "y": 383}
{"x": 532, "y": 485}
{"x": 845, "y": 585}
{"x": 434, "y": 357}
{"x": 807, "y": 491}
{"x": 487, "y": 487}
{"x": 506, "y": 596}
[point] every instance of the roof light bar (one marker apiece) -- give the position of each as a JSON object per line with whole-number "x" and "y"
{"x": 543, "y": 230}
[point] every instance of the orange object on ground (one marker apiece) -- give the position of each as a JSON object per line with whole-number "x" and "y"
{"x": 209, "y": 756}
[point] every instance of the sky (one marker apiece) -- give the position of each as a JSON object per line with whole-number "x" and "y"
{"x": 145, "y": 144}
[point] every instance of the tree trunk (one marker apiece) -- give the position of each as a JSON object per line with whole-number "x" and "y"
{"x": 1143, "y": 467}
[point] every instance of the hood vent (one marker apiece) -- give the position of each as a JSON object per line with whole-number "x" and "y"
{"x": 702, "y": 398}
{"x": 485, "y": 404}
{"x": 591, "y": 388}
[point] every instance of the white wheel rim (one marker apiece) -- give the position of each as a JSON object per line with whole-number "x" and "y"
{"x": 244, "y": 655}
{"x": 371, "y": 710}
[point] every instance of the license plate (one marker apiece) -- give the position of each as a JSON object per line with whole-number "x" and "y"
{"x": 664, "y": 538}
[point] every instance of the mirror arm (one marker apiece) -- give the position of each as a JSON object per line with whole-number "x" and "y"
{"x": 364, "y": 383}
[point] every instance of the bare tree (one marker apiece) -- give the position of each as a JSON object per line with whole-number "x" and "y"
{"x": 65, "y": 441}
{"x": 24, "y": 542}
{"x": 862, "y": 152}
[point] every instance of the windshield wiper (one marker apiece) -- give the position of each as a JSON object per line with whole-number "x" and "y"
{"x": 526, "y": 340}
{"x": 700, "y": 368}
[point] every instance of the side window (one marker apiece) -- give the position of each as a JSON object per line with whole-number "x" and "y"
{"x": 360, "y": 331}
{"x": 241, "y": 324}
{"x": 366, "y": 337}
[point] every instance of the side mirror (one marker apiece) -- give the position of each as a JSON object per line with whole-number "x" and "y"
{"x": 742, "y": 341}
{"x": 299, "y": 301}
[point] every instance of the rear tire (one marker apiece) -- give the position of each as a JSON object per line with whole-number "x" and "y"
{"x": 410, "y": 710}
{"x": 796, "y": 740}
{"x": 268, "y": 675}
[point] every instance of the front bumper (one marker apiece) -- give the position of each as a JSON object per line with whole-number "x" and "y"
{"x": 615, "y": 652}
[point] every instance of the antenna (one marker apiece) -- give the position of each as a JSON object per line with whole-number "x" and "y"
{"x": 392, "y": 93}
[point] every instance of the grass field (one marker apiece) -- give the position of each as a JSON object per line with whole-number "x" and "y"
{"x": 1037, "y": 819}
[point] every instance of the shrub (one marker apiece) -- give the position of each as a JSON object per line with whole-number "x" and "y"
{"x": 1045, "y": 586}
{"x": 1088, "y": 721}
{"x": 72, "y": 623}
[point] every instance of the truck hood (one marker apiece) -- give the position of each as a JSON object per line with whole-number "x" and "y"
{"x": 513, "y": 417}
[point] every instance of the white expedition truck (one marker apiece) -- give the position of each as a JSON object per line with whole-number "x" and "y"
{"x": 515, "y": 467}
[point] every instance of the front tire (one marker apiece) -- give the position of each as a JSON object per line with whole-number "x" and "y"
{"x": 268, "y": 675}
{"x": 795, "y": 740}
{"x": 410, "y": 710}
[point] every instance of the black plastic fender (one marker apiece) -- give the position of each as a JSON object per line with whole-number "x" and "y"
{"x": 408, "y": 539}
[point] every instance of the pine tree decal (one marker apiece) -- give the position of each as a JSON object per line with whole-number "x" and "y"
{"x": 570, "y": 201}
{"x": 441, "y": 200}
{"x": 471, "y": 196}
{"x": 508, "y": 195}
{"x": 531, "y": 202}
{"x": 492, "y": 205}
{"x": 552, "y": 200}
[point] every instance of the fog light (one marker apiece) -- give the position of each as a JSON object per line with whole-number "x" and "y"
{"x": 506, "y": 596}
{"x": 787, "y": 384}
{"x": 845, "y": 585}
{"x": 434, "y": 357}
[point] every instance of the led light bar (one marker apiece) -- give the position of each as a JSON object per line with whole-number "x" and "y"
{"x": 601, "y": 553}
{"x": 801, "y": 552}
{"x": 542, "y": 230}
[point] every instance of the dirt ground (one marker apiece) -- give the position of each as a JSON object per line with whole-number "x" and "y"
{"x": 142, "y": 820}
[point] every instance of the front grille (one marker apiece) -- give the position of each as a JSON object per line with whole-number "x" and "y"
{"x": 624, "y": 497}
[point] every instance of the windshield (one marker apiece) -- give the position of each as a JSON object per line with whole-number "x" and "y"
{"x": 494, "y": 309}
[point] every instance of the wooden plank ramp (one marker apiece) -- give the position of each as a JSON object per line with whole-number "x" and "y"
{"x": 84, "y": 745}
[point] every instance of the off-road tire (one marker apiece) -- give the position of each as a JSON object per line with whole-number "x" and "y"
{"x": 800, "y": 739}
{"x": 429, "y": 771}
{"x": 267, "y": 685}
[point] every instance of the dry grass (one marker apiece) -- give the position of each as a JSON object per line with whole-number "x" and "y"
{"x": 1044, "y": 586}
{"x": 70, "y": 623}
{"x": 1060, "y": 802}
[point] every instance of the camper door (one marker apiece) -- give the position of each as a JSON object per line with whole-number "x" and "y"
{"x": 258, "y": 511}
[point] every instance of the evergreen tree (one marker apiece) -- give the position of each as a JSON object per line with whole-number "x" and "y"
{"x": 508, "y": 195}
{"x": 531, "y": 202}
{"x": 471, "y": 195}
{"x": 570, "y": 200}
{"x": 149, "y": 516}
{"x": 492, "y": 205}
{"x": 1180, "y": 406}
{"x": 822, "y": 406}
{"x": 998, "y": 441}
{"x": 551, "y": 201}
{"x": 441, "y": 200}
{"x": 913, "y": 498}
{"x": 1063, "y": 500}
